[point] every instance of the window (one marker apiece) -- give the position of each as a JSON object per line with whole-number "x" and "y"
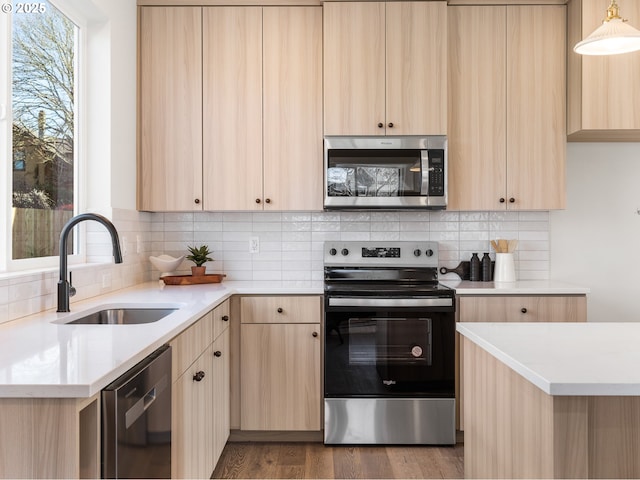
{"x": 43, "y": 75}
{"x": 18, "y": 160}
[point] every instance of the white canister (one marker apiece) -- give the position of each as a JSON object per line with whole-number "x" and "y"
{"x": 505, "y": 269}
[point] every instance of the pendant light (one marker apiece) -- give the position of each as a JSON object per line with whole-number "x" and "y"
{"x": 614, "y": 36}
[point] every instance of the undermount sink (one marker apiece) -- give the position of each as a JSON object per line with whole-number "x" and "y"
{"x": 122, "y": 316}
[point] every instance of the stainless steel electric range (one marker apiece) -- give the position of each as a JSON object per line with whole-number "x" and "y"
{"x": 389, "y": 345}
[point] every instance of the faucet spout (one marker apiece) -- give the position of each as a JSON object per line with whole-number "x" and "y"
{"x": 64, "y": 287}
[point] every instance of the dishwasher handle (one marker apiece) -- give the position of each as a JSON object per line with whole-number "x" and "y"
{"x": 141, "y": 406}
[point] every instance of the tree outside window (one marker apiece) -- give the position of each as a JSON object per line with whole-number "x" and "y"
{"x": 43, "y": 65}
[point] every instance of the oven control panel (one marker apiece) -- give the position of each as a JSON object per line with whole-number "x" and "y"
{"x": 415, "y": 253}
{"x": 380, "y": 252}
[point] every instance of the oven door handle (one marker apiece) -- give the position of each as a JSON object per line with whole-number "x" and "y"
{"x": 389, "y": 302}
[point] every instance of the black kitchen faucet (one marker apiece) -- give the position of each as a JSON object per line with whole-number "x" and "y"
{"x": 65, "y": 289}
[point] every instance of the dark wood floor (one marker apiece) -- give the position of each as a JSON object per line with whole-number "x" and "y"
{"x": 314, "y": 460}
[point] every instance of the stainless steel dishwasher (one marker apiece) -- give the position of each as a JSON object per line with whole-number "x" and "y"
{"x": 136, "y": 420}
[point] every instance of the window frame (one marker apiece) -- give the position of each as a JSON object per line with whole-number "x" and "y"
{"x": 7, "y": 263}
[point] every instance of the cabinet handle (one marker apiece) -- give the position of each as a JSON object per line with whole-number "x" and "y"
{"x": 225, "y": 318}
{"x": 380, "y": 125}
{"x": 280, "y": 310}
{"x": 258, "y": 200}
{"x": 512, "y": 200}
{"x": 268, "y": 200}
{"x": 197, "y": 200}
{"x": 502, "y": 200}
{"x": 198, "y": 376}
{"x": 390, "y": 125}
{"x": 314, "y": 334}
{"x": 523, "y": 310}
{"x": 217, "y": 353}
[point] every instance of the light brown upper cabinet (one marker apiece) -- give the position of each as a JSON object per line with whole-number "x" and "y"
{"x": 232, "y": 114}
{"x": 506, "y": 107}
{"x": 385, "y": 68}
{"x": 292, "y": 106}
{"x": 255, "y": 97}
{"x": 170, "y": 108}
{"x": 603, "y": 96}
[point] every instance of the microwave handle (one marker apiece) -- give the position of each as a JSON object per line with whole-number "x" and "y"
{"x": 424, "y": 169}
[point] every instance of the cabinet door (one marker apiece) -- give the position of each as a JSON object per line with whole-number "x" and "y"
{"x": 170, "y": 109}
{"x": 416, "y": 74}
{"x": 221, "y": 413}
{"x": 192, "y": 421}
{"x": 293, "y": 108}
{"x": 593, "y": 114}
{"x": 280, "y": 375}
{"x": 477, "y": 103}
{"x": 536, "y": 95}
{"x": 354, "y": 68}
{"x": 232, "y": 115}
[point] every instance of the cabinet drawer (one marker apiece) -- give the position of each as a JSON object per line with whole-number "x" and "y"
{"x": 513, "y": 308}
{"x": 304, "y": 309}
{"x": 190, "y": 344}
{"x": 220, "y": 318}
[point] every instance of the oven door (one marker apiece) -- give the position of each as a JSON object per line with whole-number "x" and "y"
{"x": 389, "y": 352}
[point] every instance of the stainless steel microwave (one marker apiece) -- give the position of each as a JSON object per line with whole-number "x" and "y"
{"x": 385, "y": 172}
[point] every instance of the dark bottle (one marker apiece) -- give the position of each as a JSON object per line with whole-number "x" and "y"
{"x": 474, "y": 268}
{"x": 486, "y": 268}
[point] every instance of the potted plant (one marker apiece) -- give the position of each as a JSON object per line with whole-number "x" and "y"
{"x": 199, "y": 256}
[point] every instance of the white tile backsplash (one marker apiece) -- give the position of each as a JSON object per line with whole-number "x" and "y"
{"x": 291, "y": 243}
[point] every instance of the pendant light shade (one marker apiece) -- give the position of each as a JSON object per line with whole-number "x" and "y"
{"x": 613, "y": 37}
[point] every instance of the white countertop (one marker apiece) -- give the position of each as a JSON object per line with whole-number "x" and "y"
{"x": 522, "y": 287}
{"x": 39, "y": 358}
{"x": 566, "y": 358}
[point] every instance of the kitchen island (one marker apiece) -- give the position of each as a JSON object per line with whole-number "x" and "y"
{"x": 551, "y": 400}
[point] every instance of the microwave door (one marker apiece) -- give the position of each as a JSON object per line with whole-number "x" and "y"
{"x": 424, "y": 171}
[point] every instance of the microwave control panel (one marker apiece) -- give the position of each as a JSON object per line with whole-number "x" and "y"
{"x": 436, "y": 172}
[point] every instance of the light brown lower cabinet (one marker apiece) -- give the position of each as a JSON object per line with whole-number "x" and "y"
{"x": 280, "y": 371}
{"x": 200, "y": 396}
{"x": 512, "y": 308}
{"x": 192, "y": 420}
{"x": 50, "y": 437}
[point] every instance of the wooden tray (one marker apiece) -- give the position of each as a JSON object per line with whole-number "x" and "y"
{"x": 192, "y": 280}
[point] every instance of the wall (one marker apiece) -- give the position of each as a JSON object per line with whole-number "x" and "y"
{"x": 111, "y": 68}
{"x": 595, "y": 242}
{"x": 291, "y": 242}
